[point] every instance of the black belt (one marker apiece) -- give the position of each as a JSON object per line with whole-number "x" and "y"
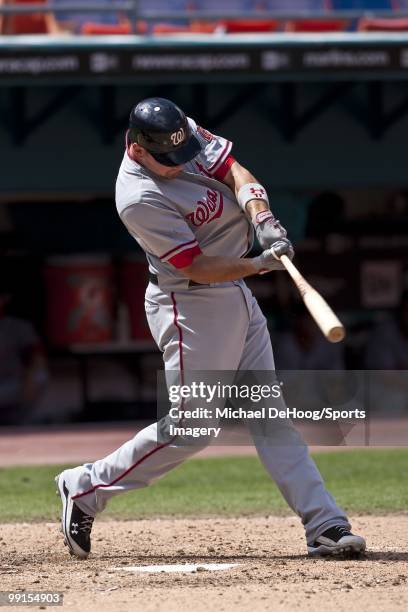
{"x": 153, "y": 279}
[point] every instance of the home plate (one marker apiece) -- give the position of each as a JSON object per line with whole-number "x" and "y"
{"x": 182, "y": 567}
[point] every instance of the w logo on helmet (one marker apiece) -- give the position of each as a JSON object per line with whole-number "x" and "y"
{"x": 178, "y": 136}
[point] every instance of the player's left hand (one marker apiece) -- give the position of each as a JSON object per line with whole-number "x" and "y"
{"x": 270, "y": 259}
{"x": 283, "y": 246}
{"x": 268, "y": 229}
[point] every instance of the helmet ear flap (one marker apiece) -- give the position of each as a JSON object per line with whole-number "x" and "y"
{"x": 140, "y": 137}
{"x": 146, "y": 137}
{"x": 132, "y": 135}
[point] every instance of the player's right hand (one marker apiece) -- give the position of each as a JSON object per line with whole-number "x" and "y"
{"x": 269, "y": 260}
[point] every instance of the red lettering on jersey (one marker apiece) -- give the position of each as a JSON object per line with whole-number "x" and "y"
{"x": 212, "y": 200}
{"x": 258, "y": 193}
{"x": 205, "y": 133}
{"x": 208, "y": 209}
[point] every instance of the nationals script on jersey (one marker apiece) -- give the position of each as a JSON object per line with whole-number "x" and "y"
{"x": 175, "y": 219}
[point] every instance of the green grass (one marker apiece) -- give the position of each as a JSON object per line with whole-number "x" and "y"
{"x": 373, "y": 481}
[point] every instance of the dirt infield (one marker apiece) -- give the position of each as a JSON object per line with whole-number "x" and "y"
{"x": 272, "y": 572}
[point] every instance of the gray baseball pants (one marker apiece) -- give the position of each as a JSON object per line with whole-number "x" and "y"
{"x": 209, "y": 328}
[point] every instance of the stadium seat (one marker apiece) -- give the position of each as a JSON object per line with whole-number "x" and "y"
{"x": 306, "y": 7}
{"x": 205, "y": 27}
{"x": 90, "y": 29}
{"x": 29, "y": 23}
{"x": 383, "y": 25}
{"x": 151, "y": 8}
{"x": 196, "y": 27}
{"x": 317, "y": 25}
{"x": 224, "y": 6}
{"x": 78, "y": 22}
{"x": 363, "y": 5}
{"x": 226, "y": 25}
{"x": 168, "y": 28}
{"x": 235, "y": 26}
{"x": 294, "y": 6}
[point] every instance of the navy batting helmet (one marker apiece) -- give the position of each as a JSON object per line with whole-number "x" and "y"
{"x": 161, "y": 127}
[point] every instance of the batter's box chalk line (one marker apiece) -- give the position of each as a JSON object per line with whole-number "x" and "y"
{"x": 182, "y": 567}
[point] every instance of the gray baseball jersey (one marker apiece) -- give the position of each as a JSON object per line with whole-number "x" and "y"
{"x": 210, "y": 327}
{"x": 174, "y": 220}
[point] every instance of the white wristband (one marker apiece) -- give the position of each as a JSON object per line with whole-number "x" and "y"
{"x": 251, "y": 191}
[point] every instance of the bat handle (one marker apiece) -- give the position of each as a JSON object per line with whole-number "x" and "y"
{"x": 297, "y": 277}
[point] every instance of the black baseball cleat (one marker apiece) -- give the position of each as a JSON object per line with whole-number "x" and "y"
{"x": 337, "y": 541}
{"x": 76, "y": 525}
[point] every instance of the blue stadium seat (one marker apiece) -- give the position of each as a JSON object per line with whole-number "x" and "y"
{"x": 225, "y": 6}
{"x": 355, "y": 5}
{"x": 147, "y": 7}
{"x": 291, "y": 6}
{"x": 80, "y": 18}
{"x": 151, "y": 7}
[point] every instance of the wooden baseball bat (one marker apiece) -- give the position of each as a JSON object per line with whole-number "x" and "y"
{"x": 325, "y": 318}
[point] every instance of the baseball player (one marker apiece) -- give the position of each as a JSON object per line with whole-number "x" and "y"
{"x": 194, "y": 210}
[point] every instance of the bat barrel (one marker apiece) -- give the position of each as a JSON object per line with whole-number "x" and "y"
{"x": 336, "y": 334}
{"x": 324, "y": 316}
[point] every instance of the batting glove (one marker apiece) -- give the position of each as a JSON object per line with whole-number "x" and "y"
{"x": 268, "y": 229}
{"x": 269, "y": 260}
